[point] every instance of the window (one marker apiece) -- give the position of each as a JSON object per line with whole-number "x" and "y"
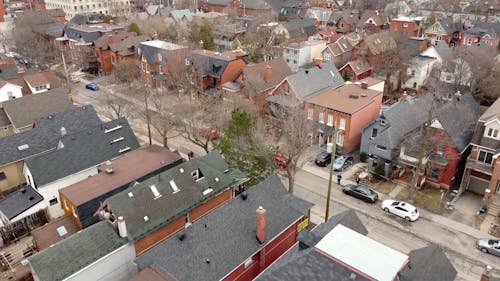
{"x": 295, "y": 52}
{"x": 340, "y": 139}
{"x": 294, "y": 61}
{"x": 492, "y": 133}
{"x": 485, "y": 157}
{"x": 2, "y": 176}
{"x": 197, "y": 174}
{"x": 321, "y": 118}
{"x": 53, "y": 201}
{"x": 381, "y": 147}
{"x": 405, "y": 25}
{"x": 434, "y": 173}
{"x": 327, "y": 56}
{"x": 310, "y": 113}
{"x": 374, "y": 132}
{"x": 413, "y": 73}
{"x": 342, "y": 124}
{"x": 330, "y": 120}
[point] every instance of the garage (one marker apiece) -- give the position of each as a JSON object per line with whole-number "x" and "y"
{"x": 477, "y": 185}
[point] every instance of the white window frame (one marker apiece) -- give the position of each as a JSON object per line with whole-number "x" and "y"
{"x": 321, "y": 117}
{"x": 405, "y": 25}
{"x": 310, "y": 114}
{"x": 340, "y": 139}
{"x": 327, "y": 56}
{"x": 330, "y": 120}
{"x": 491, "y": 133}
{"x": 342, "y": 124}
{"x": 485, "y": 156}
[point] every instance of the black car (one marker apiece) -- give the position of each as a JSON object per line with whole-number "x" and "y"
{"x": 323, "y": 159}
{"x": 361, "y": 192}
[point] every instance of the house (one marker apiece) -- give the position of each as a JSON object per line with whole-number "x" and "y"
{"x": 420, "y": 68}
{"x": 82, "y": 199}
{"x": 160, "y": 206}
{"x": 50, "y": 31}
{"x": 295, "y": 30}
{"x": 77, "y": 157}
{"x": 56, "y": 230}
{"x": 397, "y": 8}
{"x": 411, "y": 26}
{"x": 298, "y": 55}
{"x": 258, "y": 80}
{"x": 125, "y": 50}
{"x": 377, "y": 48}
{"x": 284, "y": 10}
{"x": 445, "y": 29}
{"x": 35, "y": 4}
{"x": 9, "y": 91}
{"x": 14, "y": 149}
{"x": 329, "y": 35}
{"x": 18, "y": 204}
{"x": 318, "y": 256}
{"x": 179, "y": 15}
{"x": 338, "y": 51}
{"x": 23, "y": 112}
{"x": 95, "y": 253}
{"x": 349, "y": 108}
{"x": 37, "y": 82}
{"x": 297, "y": 88}
{"x": 344, "y": 21}
{"x": 320, "y": 15}
{"x": 239, "y": 248}
{"x": 102, "y": 48}
{"x": 156, "y": 57}
{"x": 453, "y": 71}
{"x": 225, "y": 35}
{"x": 214, "y": 69}
{"x": 356, "y": 69}
{"x": 481, "y": 33}
{"x": 481, "y": 174}
{"x": 372, "y": 21}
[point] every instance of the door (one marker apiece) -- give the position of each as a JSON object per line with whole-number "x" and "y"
{"x": 477, "y": 185}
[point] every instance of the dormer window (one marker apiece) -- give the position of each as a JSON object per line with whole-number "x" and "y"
{"x": 492, "y": 133}
{"x": 197, "y": 174}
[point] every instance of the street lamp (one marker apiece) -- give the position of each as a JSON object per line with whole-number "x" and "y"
{"x": 148, "y": 120}
{"x": 329, "y": 192}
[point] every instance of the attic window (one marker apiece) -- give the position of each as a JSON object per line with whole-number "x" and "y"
{"x": 125, "y": 149}
{"x": 197, "y": 174}
{"x": 174, "y": 187}
{"x": 23, "y": 147}
{"x": 117, "y": 139}
{"x": 117, "y": 127}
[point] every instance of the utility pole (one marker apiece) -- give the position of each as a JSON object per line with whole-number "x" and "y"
{"x": 66, "y": 74}
{"x": 329, "y": 192}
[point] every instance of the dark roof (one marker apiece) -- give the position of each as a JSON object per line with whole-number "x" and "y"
{"x": 24, "y": 111}
{"x": 19, "y": 201}
{"x": 449, "y": 25}
{"x": 90, "y": 32}
{"x": 309, "y": 82}
{"x": 4, "y": 119}
{"x": 494, "y": 26}
{"x": 46, "y": 134}
{"x": 428, "y": 264}
{"x": 347, "y": 15}
{"x": 150, "y": 51}
{"x": 300, "y": 27}
{"x": 76, "y": 252}
{"x": 379, "y": 19}
{"x": 226, "y": 236}
{"x": 127, "y": 46}
{"x": 380, "y": 42}
{"x": 104, "y": 42}
{"x": 254, "y": 75}
{"x": 48, "y": 234}
{"x": 8, "y": 69}
{"x": 83, "y": 150}
{"x": 86, "y": 18}
{"x": 210, "y": 63}
{"x": 217, "y": 2}
{"x": 152, "y": 273}
{"x": 492, "y": 113}
{"x": 53, "y": 29}
{"x": 170, "y": 205}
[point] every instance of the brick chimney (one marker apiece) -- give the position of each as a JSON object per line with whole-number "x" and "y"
{"x": 364, "y": 85}
{"x": 260, "y": 230}
{"x": 268, "y": 73}
{"x": 486, "y": 274}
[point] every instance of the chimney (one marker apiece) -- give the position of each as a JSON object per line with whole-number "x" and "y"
{"x": 63, "y": 131}
{"x": 238, "y": 53}
{"x": 111, "y": 38}
{"x": 486, "y": 274}
{"x": 109, "y": 167}
{"x": 364, "y": 85}
{"x": 318, "y": 62}
{"x": 200, "y": 44}
{"x": 267, "y": 73}
{"x": 260, "y": 224}
{"x": 122, "y": 228}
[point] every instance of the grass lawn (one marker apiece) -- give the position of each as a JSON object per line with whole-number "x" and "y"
{"x": 429, "y": 199}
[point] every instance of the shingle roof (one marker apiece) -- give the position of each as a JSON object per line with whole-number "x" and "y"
{"x": 211, "y": 63}
{"x": 83, "y": 150}
{"x": 300, "y": 27}
{"x": 46, "y": 134}
{"x": 359, "y": 66}
{"x": 47, "y": 234}
{"x": 254, "y": 75}
{"x": 346, "y": 15}
{"x": 309, "y": 82}
{"x": 36, "y": 79}
{"x": 90, "y": 32}
{"x": 76, "y": 252}
{"x": 54, "y": 29}
{"x": 320, "y": 14}
{"x": 152, "y": 273}
{"x": 378, "y": 18}
{"x": 226, "y": 236}
{"x": 104, "y": 42}
{"x": 428, "y": 264}
{"x": 380, "y": 42}
{"x": 127, "y": 46}
{"x": 24, "y": 111}
{"x": 170, "y": 205}
{"x": 19, "y": 201}
{"x": 158, "y": 51}
{"x": 4, "y": 119}
{"x": 179, "y": 14}
{"x": 217, "y": 2}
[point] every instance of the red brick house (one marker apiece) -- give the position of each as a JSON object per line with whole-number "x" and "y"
{"x": 160, "y": 206}
{"x": 344, "y": 21}
{"x": 356, "y": 69}
{"x": 238, "y": 240}
{"x": 407, "y": 25}
{"x": 481, "y": 33}
{"x": 376, "y": 48}
{"x": 349, "y": 107}
{"x": 445, "y": 29}
{"x": 102, "y": 50}
{"x": 34, "y": 4}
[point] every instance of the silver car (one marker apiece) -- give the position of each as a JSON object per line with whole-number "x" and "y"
{"x": 491, "y": 246}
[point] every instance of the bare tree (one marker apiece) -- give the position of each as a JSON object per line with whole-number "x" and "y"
{"x": 157, "y": 26}
{"x": 117, "y": 106}
{"x": 164, "y": 118}
{"x": 125, "y": 71}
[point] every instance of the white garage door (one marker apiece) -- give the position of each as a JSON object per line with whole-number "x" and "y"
{"x": 477, "y": 185}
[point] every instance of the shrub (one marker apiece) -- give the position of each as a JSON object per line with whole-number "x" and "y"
{"x": 378, "y": 172}
{"x": 363, "y": 156}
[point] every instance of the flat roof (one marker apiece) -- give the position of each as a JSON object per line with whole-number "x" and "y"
{"x": 360, "y": 253}
{"x": 163, "y": 45}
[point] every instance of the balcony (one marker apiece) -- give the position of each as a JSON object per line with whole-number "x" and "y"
{"x": 473, "y": 164}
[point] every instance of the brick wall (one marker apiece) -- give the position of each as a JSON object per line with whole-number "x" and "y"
{"x": 154, "y": 238}
{"x": 210, "y": 205}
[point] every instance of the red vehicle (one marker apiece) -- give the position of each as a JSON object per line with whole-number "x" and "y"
{"x": 280, "y": 160}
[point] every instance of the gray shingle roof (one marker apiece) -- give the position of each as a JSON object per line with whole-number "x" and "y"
{"x": 311, "y": 81}
{"x": 24, "y": 111}
{"x": 227, "y": 235}
{"x": 82, "y": 150}
{"x": 300, "y": 27}
{"x": 217, "y": 2}
{"x": 46, "y": 134}
{"x": 4, "y": 119}
{"x": 19, "y": 201}
{"x": 210, "y": 63}
{"x": 170, "y": 205}
{"x": 428, "y": 264}
{"x": 76, "y": 252}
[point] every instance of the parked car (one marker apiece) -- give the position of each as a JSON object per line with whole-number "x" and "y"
{"x": 342, "y": 162}
{"x": 323, "y": 159}
{"x": 280, "y": 160}
{"x": 401, "y": 209}
{"x": 491, "y": 246}
{"x": 92, "y": 86}
{"x": 361, "y": 192}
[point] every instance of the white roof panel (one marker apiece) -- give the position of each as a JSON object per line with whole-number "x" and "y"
{"x": 362, "y": 254}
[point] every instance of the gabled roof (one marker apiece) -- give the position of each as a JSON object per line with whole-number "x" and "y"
{"x": 309, "y": 82}
{"x": 226, "y": 236}
{"x": 76, "y": 252}
{"x": 254, "y": 75}
{"x": 346, "y": 15}
{"x": 24, "y": 111}
{"x": 127, "y": 46}
{"x": 380, "y": 42}
{"x": 17, "y": 202}
{"x": 211, "y": 63}
{"x": 104, "y": 42}
{"x": 300, "y": 27}
{"x": 359, "y": 66}
{"x": 172, "y": 203}
{"x": 90, "y": 32}
{"x": 36, "y": 79}
{"x": 223, "y": 3}
{"x": 494, "y": 26}
{"x": 319, "y": 14}
{"x": 4, "y": 119}
{"x": 447, "y": 24}
{"x": 178, "y": 15}
{"x": 158, "y": 51}
{"x": 82, "y": 150}
{"x": 378, "y": 18}
{"x": 340, "y": 46}
{"x": 53, "y": 29}
{"x": 428, "y": 264}
{"x": 46, "y": 134}
{"x": 54, "y": 231}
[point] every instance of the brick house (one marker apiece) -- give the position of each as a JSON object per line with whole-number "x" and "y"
{"x": 102, "y": 50}
{"x": 482, "y": 169}
{"x": 349, "y": 107}
{"x": 344, "y": 21}
{"x": 376, "y": 48}
{"x": 160, "y": 206}
{"x": 481, "y": 33}
{"x": 356, "y": 69}
{"x": 238, "y": 240}
{"x": 34, "y": 4}
{"x": 125, "y": 49}
{"x": 407, "y": 25}
{"x": 445, "y": 29}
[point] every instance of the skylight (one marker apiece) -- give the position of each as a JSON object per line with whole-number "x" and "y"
{"x": 61, "y": 231}
{"x": 125, "y": 149}
{"x": 155, "y": 191}
{"x": 207, "y": 191}
{"x": 23, "y": 147}
{"x": 117, "y": 127}
{"x": 174, "y": 187}
{"x": 117, "y": 139}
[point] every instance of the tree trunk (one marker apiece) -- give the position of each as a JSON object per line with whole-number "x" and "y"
{"x": 290, "y": 171}
{"x": 165, "y": 142}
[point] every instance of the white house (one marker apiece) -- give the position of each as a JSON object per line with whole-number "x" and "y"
{"x": 37, "y": 82}
{"x": 9, "y": 91}
{"x": 301, "y": 54}
{"x": 421, "y": 66}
